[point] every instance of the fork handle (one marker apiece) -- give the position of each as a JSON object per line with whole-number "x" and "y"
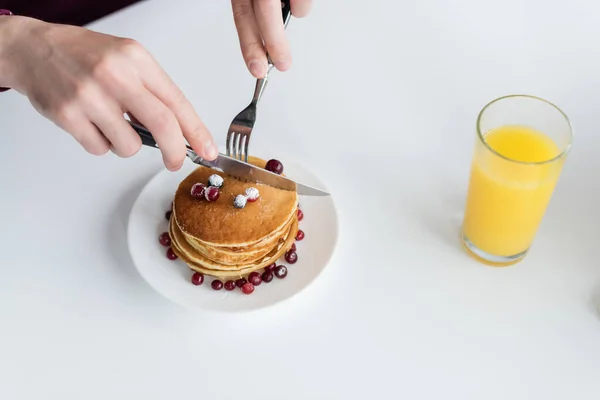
{"x": 286, "y": 11}
{"x": 261, "y": 84}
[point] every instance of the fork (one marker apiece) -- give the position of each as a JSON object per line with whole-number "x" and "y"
{"x": 240, "y": 130}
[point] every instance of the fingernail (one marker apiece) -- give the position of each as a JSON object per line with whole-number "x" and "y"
{"x": 173, "y": 168}
{"x": 257, "y": 68}
{"x": 210, "y": 149}
{"x": 283, "y": 65}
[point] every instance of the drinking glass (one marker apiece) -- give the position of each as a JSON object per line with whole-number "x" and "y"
{"x": 520, "y": 149}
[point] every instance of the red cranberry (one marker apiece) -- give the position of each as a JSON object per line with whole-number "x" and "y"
{"x": 229, "y": 286}
{"x": 270, "y": 268}
{"x": 165, "y": 239}
{"x": 240, "y": 282}
{"x": 300, "y": 215}
{"x": 293, "y": 248}
{"x": 168, "y": 215}
{"x": 267, "y": 276}
{"x": 197, "y": 278}
{"x": 212, "y": 193}
{"x": 291, "y": 257}
{"x": 171, "y": 254}
{"x": 198, "y": 190}
{"x": 281, "y": 271}
{"x": 255, "y": 278}
{"x": 217, "y": 284}
{"x": 247, "y": 288}
{"x": 252, "y": 194}
{"x": 274, "y": 166}
{"x": 300, "y": 234}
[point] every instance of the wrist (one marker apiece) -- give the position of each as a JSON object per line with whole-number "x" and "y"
{"x": 14, "y": 33}
{"x": 5, "y": 13}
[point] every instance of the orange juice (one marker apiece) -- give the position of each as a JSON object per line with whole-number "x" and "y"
{"x": 509, "y": 189}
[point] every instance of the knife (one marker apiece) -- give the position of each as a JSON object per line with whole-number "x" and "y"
{"x": 237, "y": 168}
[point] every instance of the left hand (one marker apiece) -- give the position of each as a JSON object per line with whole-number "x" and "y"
{"x": 258, "y": 22}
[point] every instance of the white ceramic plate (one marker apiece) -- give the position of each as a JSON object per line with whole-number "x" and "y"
{"x": 172, "y": 278}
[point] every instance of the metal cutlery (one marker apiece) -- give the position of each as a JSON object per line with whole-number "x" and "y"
{"x": 240, "y": 130}
{"x": 236, "y": 168}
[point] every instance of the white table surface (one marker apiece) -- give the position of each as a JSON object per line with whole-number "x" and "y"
{"x": 381, "y": 102}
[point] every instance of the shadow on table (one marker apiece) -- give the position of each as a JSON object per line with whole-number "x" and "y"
{"x": 595, "y": 301}
{"x": 440, "y": 211}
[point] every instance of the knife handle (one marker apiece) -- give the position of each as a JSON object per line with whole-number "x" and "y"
{"x": 148, "y": 140}
{"x": 145, "y": 135}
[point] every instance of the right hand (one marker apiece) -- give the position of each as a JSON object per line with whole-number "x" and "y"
{"x": 260, "y": 29}
{"x": 85, "y": 81}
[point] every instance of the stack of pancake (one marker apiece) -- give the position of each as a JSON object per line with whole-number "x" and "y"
{"x": 217, "y": 239}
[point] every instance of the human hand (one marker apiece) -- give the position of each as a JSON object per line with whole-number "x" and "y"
{"x": 260, "y": 29}
{"x": 85, "y": 81}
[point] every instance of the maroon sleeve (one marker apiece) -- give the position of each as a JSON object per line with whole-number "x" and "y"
{"x": 74, "y": 12}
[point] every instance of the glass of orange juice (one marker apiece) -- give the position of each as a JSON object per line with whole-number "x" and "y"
{"x": 521, "y": 145}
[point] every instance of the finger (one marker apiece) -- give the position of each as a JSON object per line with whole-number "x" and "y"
{"x": 91, "y": 139}
{"x": 108, "y": 117}
{"x": 251, "y": 41}
{"x": 301, "y": 8}
{"x": 268, "y": 16}
{"x": 85, "y": 132}
{"x": 159, "y": 120}
{"x": 134, "y": 119}
{"x": 193, "y": 129}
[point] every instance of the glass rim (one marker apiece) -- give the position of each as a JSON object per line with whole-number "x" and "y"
{"x": 481, "y": 135}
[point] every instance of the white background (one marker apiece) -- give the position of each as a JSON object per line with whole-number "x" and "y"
{"x": 381, "y": 102}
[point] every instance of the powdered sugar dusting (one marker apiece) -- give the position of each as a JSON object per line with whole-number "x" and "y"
{"x": 240, "y": 201}
{"x": 252, "y": 193}
{"x": 215, "y": 180}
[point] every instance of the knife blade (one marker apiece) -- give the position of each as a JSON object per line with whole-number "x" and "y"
{"x": 237, "y": 168}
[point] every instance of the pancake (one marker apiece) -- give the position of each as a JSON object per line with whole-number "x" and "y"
{"x": 217, "y": 239}
{"x": 181, "y": 248}
{"x": 220, "y": 224}
{"x": 228, "y": 257}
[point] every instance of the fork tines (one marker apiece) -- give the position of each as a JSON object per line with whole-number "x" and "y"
{"x": 238, "y": 136}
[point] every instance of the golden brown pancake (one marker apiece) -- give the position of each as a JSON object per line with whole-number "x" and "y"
{"x": 218, "y": 239}
{"x": 181, "y": 248}
{"x": 246, "y": 255}
{"x": 219, "y": 223}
